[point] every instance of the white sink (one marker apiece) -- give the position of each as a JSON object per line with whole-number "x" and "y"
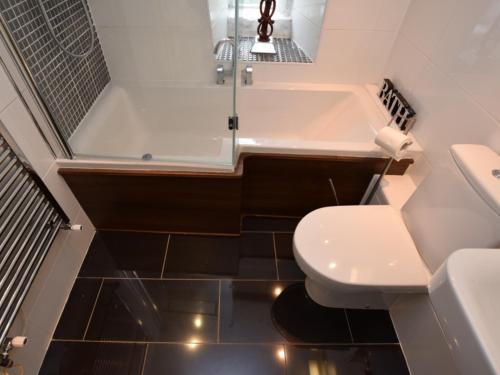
{"x": 465, "y": 293}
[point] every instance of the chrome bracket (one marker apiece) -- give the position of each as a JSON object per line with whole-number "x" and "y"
{"x": 233, "y": 122}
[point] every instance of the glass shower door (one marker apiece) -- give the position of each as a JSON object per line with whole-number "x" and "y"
{"x": 132, "y": 81}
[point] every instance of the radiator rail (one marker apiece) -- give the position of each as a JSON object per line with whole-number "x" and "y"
{"x": 30, "y": 219}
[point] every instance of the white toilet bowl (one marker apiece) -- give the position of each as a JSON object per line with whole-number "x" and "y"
{"x": 364, "y": 256}
{"x": 358, "y": 256}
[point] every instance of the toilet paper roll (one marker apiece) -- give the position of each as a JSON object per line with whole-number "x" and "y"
{"x": 394, "y": 142}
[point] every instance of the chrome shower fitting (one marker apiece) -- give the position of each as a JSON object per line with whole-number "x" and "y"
{"x": 54, "y": 36}
{"x": 247, "y": 76}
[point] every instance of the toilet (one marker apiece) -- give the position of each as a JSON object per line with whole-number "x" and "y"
{"x": 365, "y": 256}
{"x": 357, "y": 256}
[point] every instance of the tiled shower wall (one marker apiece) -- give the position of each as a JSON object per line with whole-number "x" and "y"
{"x": 68, "y": 85}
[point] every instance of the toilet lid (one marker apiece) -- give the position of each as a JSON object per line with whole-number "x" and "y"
{"x": 359, "y": 246}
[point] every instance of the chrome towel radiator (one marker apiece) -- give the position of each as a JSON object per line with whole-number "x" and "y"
{"x": 30, "y": 219}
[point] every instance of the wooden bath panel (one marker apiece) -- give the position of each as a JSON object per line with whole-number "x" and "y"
{"x": 294, "y": 186}
{"x": 263, "y": 184}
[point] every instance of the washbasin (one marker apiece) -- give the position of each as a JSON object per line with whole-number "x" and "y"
{"x": 465, "y": 293}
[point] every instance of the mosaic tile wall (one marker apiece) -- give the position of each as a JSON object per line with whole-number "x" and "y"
{"x": 68, "y": 85}
{"x": 286, "y": 51}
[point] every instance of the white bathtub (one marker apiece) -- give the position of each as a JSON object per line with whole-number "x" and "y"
{"x": 173, "y": 124}
{"x": 186, "y": 127}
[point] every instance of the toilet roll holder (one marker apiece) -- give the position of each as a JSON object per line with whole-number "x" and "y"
{"x": 403, "y": 115}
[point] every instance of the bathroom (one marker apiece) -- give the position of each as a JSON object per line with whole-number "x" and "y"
{"x": 324, "y": 201}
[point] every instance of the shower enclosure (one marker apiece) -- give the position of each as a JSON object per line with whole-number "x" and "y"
{"x": 130, "y": 80}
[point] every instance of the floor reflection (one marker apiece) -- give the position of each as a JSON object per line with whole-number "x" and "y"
{"x": 156, "y": 310}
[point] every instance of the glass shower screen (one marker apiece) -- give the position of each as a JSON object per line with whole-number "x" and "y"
{"x": 132, "y": 80}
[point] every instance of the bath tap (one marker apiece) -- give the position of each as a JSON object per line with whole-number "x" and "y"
{"x": 221, "y": 72}
{"x": 247, "y": 76}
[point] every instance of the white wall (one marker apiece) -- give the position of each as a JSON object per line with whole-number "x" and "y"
{"x": 45, "y": 301}
{"x": 307, "y": 23}
{"x": 446, "y": 60}
{"x": 354, "y": 45}
{"x": 450, "y": 72}
{"x": 157, "y": 40}
{"x": 172, "y": 40}
{"x": 422, "y": 339}
{"x": 218, "y": 19}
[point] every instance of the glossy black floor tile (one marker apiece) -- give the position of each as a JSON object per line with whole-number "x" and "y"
{"x": 346, "y": 360}
{"x": 125, "y": 254}
{"x": 225, "y": 325}
{"x": 288, "y": 268}
{"x": 215, "y": 360}
{"x": 371, "y": 326}
{"x": 269, "y": 224}
{"x": 246, "y": 311}
{"x": 76, "y": 314}
{"x": 249, "y": 256}
{"x": 85, "y": 358}
{"x": 156, "y": 310}
{"x": 302, "y": 320}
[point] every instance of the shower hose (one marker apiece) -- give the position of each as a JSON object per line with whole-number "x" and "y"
{"x": 54, "y": 36}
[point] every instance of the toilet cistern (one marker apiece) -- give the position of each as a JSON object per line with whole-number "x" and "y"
{"x": 480, "y": 165}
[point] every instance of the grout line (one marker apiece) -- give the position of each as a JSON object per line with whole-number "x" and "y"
{"x": 165, "y": 257}
{"x": 262, "y": 231}
{"x": 269, "y": 231}
{"x": 271, "y": 216}
{"x": 265, "y": 343}
{"x": 145, "y": 358}
{"x": 348, "y": 325}
{"x": 218, "y": 312}
{"x": 285, "y": 350}
{"x": 93, "y": 308}
{"x": 276, "y": 257}
{"x": 184, "y": 279}
{"x": 181, "y": 233}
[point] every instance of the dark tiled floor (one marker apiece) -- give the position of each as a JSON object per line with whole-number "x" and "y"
{"x": 246, "y": 311}
{"x": 269, "y": 224}
{"x": 85, "y": 358}
{"x": 287, "y": 267}
{"x": 156, "y": 310}
{"x": 124, "y": 254}
{"x": 158, "y": 304}
{"x": 250, "y": 256}
{"x": 300, "y": 319}
{"x": 215, "y": 360}
{"x": 75, "y": 317}
{"x": 370, "y": 326}
{"x": 345, "y": 360}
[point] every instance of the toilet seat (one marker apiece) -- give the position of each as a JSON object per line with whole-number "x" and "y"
{"x": 359, "y": 248}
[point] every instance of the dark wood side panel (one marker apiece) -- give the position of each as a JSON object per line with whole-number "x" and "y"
{"x": 213, "y": 203}
{"x": 158, "y": 202}
{"x": 294, "y": 186}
